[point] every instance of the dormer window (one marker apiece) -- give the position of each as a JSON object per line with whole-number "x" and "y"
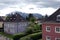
{"x": 10, "y": 18}
{"x": 58, "y": 17}
{"x": 14, "y": 18}
{"x": 16, "y": 14}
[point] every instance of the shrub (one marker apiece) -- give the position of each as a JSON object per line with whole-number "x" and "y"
{"x": 33, "y": 28}
{"x": 18, "y": 36}
{"x": 29, "y": 30}
{"x": 25, "y": 38}
{"x": 34, "y": 36}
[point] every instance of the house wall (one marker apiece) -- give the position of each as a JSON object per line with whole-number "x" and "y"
{"x": 15, "y": 27}
{"x": 1, "y": 24}
{"x": 52, "y": 33}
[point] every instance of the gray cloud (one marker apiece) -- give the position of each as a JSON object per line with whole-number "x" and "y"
{"x": 54, "y": 4}
{"x": 39, "y": 3}
{"x": 2, "y": 5}
{"x": 46, "y": 3}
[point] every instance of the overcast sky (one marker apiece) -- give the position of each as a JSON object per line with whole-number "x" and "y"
{"x": 29, "y": 6}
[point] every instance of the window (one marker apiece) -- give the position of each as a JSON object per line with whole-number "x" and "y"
{"x": 16, "y": 14}
{"x": 48, "y": 28}
{"x": 12, "y": 30}
{"x": 57, "y": 29}
{"x": 10, "y": 18}
{"x": 12, "y": 25}
{"x": 25, "y": 24}
{"x": 58, "y": 17}
{"x": 48, "y": 38}
{"x": 57, "y": 38}
{"x": 8, "y": 25}
{"x": 14, "y": 18}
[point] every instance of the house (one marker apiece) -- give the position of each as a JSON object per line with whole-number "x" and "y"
{"x": 2, "y": 30}
{"x": 15, "y": 24}
{"x": 1, "y": 24}
{"x": 51, "y": 27}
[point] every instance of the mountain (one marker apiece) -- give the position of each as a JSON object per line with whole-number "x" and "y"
{"x": 22, "y": 14}
{"x": 36, "y": 15}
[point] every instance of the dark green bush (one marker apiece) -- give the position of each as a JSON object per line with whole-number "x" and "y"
{"x": 29, "y": 30}
{"x": 34, "y": 36}
{"x": 18, "y": 36}
{"x": 33, "y": 28}
{"x": 25, "y": 38}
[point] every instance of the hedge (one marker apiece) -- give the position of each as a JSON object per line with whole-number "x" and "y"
{"x": 14, "y": 37}
{"x": 18, "y": 36}
{"x": 34, "y": 36}
{"x": 39, "y": 39}
{"x": 23, "y": 36}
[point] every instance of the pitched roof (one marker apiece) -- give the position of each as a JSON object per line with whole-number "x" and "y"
{"x": 53, "y": 17}
{"x": 15, "y": 18}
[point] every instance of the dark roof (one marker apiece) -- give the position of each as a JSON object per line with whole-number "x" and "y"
{"x": 15, "y": 18}
{"x": 53, "y": 17}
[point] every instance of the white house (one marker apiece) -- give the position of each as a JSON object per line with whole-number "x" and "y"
{"x": 15, "y": 24}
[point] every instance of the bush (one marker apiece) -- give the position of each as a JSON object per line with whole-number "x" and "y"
{"x": 26, "y": 38}
{"x": 39, "y": 39}
{"x": 33, "y": 28}
{"x": 34, "y": 36}
{"x": 29, "y": 30}
{"x": 14, "y": 37}
{"x": 18, "y": 36}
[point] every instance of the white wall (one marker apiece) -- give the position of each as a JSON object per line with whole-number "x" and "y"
{"x": 14, "y": 27}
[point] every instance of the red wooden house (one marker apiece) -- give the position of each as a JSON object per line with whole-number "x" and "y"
{"x": 51, "y": 27}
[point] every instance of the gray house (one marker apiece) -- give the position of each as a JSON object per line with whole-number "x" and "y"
{"x": 15, "y": 24}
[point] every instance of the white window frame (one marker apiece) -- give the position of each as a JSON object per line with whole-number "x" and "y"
{"x": 57, "y": 38}
{"x": 55, "y": 29}
{"x": 10, "y": 18}
{"x": 47, "y": 38}
{"x": 57, "y": 17}
{"x": 48, "y": 30}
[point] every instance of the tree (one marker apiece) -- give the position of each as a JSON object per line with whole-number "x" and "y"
{"x": 31, "y": 18}
{"x": 46, "y": 16}
{"x": 33, "y": 27}
{"x": 7, "y": 17}
{"x": 30, "y": 15}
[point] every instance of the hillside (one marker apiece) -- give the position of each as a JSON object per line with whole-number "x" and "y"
{"x": 36, "y": 15}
